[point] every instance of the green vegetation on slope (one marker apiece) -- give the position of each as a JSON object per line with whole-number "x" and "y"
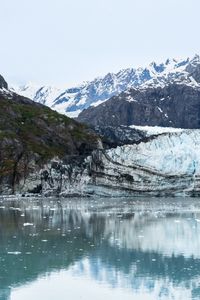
{"x": 31, "y": 134}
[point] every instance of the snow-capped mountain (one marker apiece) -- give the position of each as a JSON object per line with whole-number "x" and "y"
{"x": 72, "y": 101}
{"x": 42, "y": 94}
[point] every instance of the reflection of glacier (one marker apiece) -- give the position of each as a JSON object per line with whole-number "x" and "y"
{"x": 168, "y": 235}
{"x": 135, "y": 245}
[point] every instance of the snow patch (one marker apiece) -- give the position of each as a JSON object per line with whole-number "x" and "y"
{"x": 151, "y": 130}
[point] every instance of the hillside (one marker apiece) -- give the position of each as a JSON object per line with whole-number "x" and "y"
{"x": 31, "y": 134}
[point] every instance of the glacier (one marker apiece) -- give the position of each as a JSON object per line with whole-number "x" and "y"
{"x": 159, "y": 165}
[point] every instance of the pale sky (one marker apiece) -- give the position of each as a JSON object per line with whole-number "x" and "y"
{"x": 68, "y": 41}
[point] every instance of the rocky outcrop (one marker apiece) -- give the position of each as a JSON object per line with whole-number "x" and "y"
{"x": 174, "y": 105}
{"x": 3, "y": 83}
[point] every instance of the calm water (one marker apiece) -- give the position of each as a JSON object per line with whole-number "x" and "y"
{"x": 100, "y": 249}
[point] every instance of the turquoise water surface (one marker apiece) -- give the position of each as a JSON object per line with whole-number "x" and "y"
{"x": 140, "y": 248}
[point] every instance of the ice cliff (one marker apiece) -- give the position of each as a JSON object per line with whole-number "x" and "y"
{"x": 160, "y": 165}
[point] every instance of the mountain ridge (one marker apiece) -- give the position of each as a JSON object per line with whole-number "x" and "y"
{"x": 72, "y": 101}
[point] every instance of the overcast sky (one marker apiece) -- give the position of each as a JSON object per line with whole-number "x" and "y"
{"x": 69, "y": 41}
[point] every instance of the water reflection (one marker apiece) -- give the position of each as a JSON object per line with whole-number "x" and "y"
{"x": 146, "y": 248}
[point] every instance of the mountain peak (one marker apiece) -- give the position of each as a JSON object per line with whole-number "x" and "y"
{"x": 71, "y": 101}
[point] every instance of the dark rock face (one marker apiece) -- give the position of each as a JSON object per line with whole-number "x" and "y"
{"x": 31, "y": 135}
{"x": 119, "y": 135}
{"x": 3, "y": 83}
{"x": 174, "y": 105}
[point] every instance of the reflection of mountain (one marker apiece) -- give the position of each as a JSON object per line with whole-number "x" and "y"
{"x": 100, "y": 238}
